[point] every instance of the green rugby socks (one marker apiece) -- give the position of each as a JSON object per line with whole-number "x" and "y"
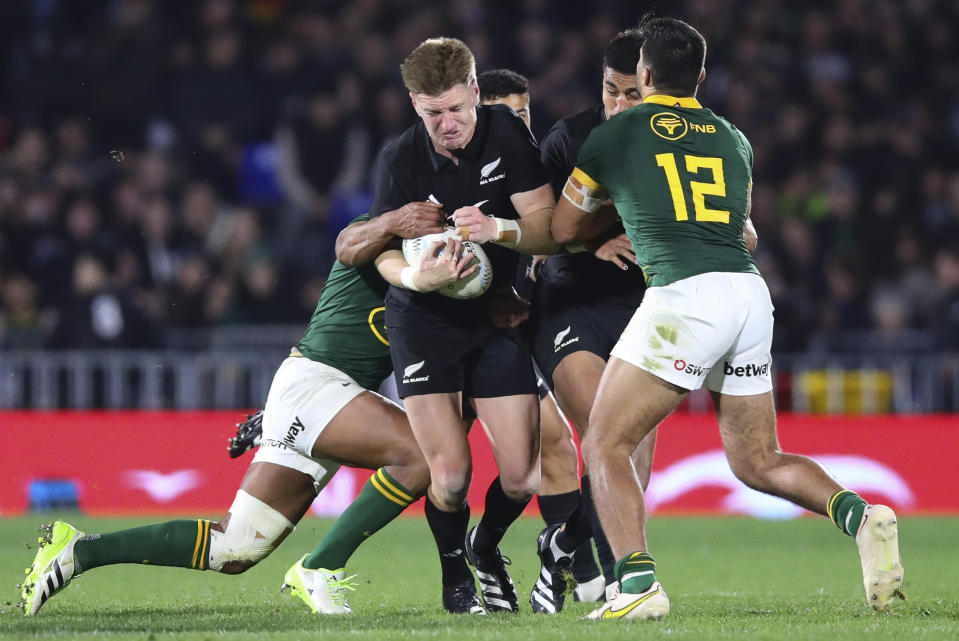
{"x": 381, "y": 500}
{"x": 845, "y": 508}
{"x": 182, "y": 543}
{"x": 636, "y": 572}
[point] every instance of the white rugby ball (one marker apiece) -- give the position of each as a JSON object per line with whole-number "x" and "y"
{"x": 470, "y": 287}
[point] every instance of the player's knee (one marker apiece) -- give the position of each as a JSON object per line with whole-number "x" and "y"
{"x": 597, "y": 449}
{"x": 522, "y": 485}
{"x": 752, "y": 470}
{"x": 451, "y": 480}
{"x": 252, "y": 530}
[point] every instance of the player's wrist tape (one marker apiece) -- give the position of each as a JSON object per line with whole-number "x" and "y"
{"x": 508, "y": 233}
{"x": 406, "y": 277}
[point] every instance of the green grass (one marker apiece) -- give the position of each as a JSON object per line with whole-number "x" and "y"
{"x": 727, "y": 578}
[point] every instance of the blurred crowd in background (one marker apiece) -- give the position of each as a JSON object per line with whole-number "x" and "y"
{"x": 167, "y": 165}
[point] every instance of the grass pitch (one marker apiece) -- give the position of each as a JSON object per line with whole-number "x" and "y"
{"x": 727, "y": 578}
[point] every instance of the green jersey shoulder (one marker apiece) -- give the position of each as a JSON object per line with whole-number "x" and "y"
{"x": 680, "y": 177}
{"x": 347, "y": 330}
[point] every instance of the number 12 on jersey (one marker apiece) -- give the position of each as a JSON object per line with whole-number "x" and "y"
{"x": 699, "y": 189}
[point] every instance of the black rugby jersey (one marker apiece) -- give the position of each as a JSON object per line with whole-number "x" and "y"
{"x": 584, "y": 275}
{"x": 501, "y": 159}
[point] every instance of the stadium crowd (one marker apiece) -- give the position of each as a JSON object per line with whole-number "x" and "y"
{"x": 180, "y": 164}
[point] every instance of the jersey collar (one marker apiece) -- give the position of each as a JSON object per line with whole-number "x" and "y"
{"x": 672, "y": 101}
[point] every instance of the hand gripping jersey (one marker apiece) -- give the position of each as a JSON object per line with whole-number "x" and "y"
{"x": 347, "y": 330}
{"x": 680, "y": 178}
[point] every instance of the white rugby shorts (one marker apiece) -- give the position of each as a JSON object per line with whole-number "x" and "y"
{"x": 715, "y": 328}
{"x": 304, "y": 397}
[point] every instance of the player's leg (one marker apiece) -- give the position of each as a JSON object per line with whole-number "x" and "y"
{"x": 373, "y": 433}
{"x": 560, "y": 494}
{"x": 502, "y": 386}
{"x": 259, "y": 519}
{"x": 748, "y": 428}
{"x": 629, "y": 404}
{"x": 575, "y": 380}
{"x": 318, "y": 410}
{"x": 437, "y": 424}
{"x": 512, "y": 425}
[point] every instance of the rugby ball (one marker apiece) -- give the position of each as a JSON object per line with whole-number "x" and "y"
{"x": 470, "y": 287}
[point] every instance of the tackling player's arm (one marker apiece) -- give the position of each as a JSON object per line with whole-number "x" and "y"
{"x": 582, "y": 198}
{"x": 442, "y": 264}
{"x": 749, "y": 231}
{"x": 360, "y": 243}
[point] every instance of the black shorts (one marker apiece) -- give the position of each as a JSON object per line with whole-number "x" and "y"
{"x": 480, "y": 361}
{"x": 562, "y": 324}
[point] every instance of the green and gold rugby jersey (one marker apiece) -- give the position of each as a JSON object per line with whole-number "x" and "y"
{"x": 347, "y": 330}
{"x": 680, "y": 178}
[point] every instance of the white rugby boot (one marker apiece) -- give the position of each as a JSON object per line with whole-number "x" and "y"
{"x": 324, "y": 591}
{"x": 651, "y": 604}
{"x": 878, "y": 541}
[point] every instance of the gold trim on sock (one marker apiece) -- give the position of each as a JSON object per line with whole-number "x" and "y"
{"x": 382, "y": 490}
{"x": 206, "y": 541}
{"x": 199, "y": 539}
{"x": 381, "y": 474}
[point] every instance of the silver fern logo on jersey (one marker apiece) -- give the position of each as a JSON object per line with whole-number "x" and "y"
{"x": 409, "y": 370}
{"x": 488, "y": 169}
{"x": 558, "y": 342}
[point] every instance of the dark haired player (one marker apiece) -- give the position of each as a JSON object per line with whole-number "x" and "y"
{"x": 320, "y": 414}
{"x": 559, "y": 465}
{"x": 681, "y": 178}
{"x": 583, "y": 302}
{"x": 506, "y": 87}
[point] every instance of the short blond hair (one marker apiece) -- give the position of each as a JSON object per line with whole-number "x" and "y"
{"x": 437, "y": 65}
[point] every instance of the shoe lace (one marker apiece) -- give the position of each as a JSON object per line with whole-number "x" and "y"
{"x": 338, "y": 588}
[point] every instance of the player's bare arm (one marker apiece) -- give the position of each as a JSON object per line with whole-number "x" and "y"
{"x": 749, "y": 230}
{"x": 443, "y": 264}
{"x": 530, "y": 234}
{"x": 582, "y": 197}
{"x": 360, "y": 243}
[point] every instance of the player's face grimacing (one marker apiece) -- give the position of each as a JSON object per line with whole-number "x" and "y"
{"x": 450, "y": 117}
{"x": 619, "y": 92}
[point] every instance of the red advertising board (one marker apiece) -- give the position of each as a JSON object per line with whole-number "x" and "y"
{"x": 176, "y": 463}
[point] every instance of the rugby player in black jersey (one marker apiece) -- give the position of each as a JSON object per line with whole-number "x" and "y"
{"x": 559, "y": 492}
{"x": 583, "y": 301}
{"x": 482, "y": 166}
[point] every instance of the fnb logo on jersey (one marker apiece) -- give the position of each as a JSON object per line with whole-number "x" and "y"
{"x": 689, "y": 368}
{"x": 668, "y": 125}
{"x": 745, "y": 370}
